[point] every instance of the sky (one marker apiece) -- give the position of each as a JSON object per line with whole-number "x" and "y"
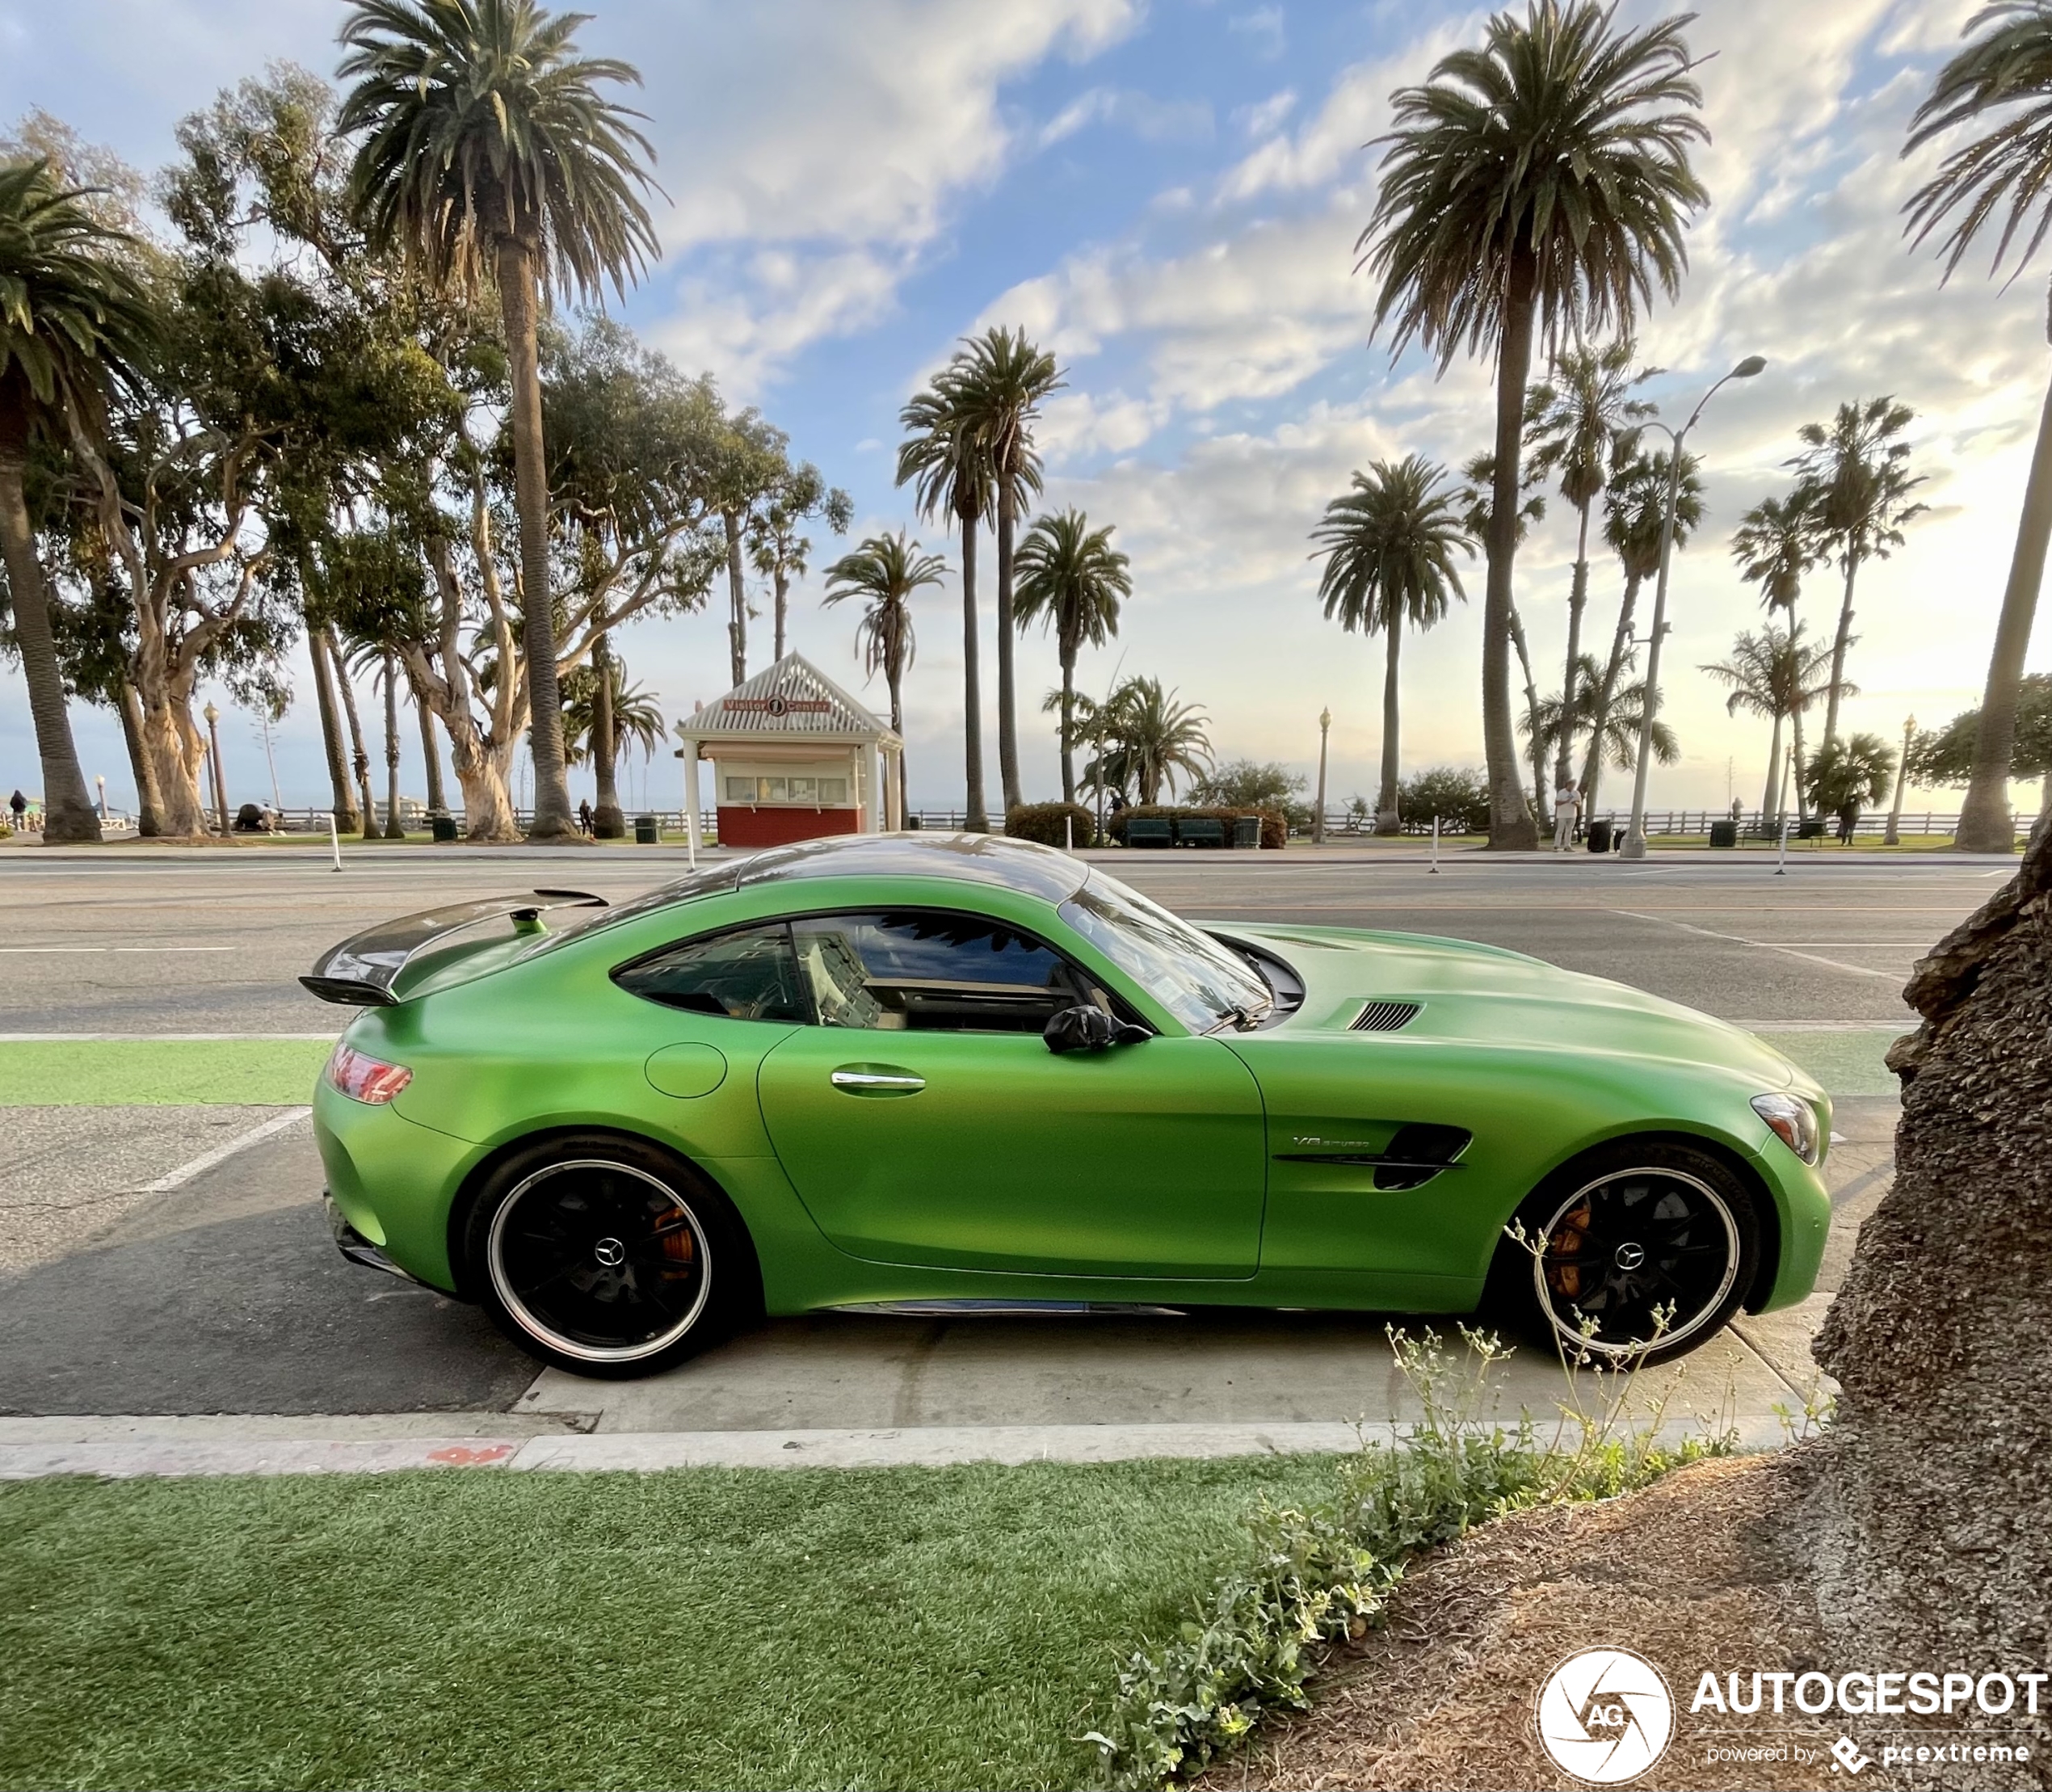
{"x": 1167, "y": 193}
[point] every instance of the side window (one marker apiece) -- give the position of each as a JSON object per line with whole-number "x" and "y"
{"x": 746, "y": 975}
{"x": 917, "y": 971}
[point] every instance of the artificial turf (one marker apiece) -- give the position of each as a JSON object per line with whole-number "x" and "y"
{"x": 796, "y": 1628}
{"x": 113, "y": 1073}
{"x": 1848, "y": 1062}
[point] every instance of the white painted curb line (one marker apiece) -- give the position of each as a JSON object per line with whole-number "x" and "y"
{"x": 126, "y": 1456}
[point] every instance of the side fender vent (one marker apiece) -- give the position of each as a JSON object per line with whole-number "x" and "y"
{"x": 1386, "y": 1017}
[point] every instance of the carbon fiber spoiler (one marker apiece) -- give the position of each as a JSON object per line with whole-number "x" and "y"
{"x": 360, "y": 972}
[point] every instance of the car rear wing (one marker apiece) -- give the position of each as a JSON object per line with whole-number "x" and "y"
{"x": 361, "y": 972}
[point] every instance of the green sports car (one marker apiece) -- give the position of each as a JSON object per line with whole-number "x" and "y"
{"x": 935, "y": 1073}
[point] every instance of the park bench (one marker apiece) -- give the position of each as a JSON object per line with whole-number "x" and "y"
{"x": 1151, "y": 830}
{"x": 1200, "y": 831}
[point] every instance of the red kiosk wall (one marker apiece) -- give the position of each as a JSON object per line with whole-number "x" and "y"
{"x": 745, "y": 826}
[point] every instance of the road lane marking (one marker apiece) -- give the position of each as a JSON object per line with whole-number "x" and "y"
{"x": 1824, "y": 1026}
{"x": 128, "y": 1038}
{"x": 185, "y": 1172}
{"x": 1762, "y": 945}
{"x": 117, "y": 949}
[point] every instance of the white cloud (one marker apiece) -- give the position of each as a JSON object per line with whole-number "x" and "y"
{"x": 1262, "y": 119}
{"x": 1151, "y": 121}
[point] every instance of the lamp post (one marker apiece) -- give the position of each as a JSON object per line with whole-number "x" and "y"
{"x": 1634, "y": 846}
{"x": 220, "y": 783}
{"x": 1318, "y": 818}
{"x": 1894, "y": 836}
{"x": 102, "y": 782}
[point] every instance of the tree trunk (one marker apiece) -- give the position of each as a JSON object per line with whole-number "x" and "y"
{"x": 977, "y": 820}
{"x": 347, "y": 819}
{"x": 1600, "y": 715}
{"x": 1843, "y": 641}
{"x": 1985, "y": 823}
{"x": 1935, "y": 1548}
{"x": 518, "y": 303}
{"x": 1068, "y": 726}
{"x": 1007, "y": 710}
{"x": 359, "y": 756}
{"x": 892, "y": 675}
{"x": 1768, "y": 818}
{"x": 68, "y": 813}
{"x": 1577, "y": 596}
{"x": 608, "y": 823}
{"x": 395, "y": 829}
{"x": 438, "y": 802}
{"x": 1531, "y": 713}
{"x": 1387, "y": 818}
{"x": 170, "y": 736}
{"x": 783, "y": 605}
{"x": 737, "y": 597}
{"x": 1803, "y": 766}
{"x": 149, "y": 806}
{"x": 1511, "y": 825}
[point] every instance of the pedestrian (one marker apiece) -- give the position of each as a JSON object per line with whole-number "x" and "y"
{"x": 584, "y": 817}
{"x": 20, "y": 804}
{"x": 1567, "y": 801}
{"x": 1848, "y": 823}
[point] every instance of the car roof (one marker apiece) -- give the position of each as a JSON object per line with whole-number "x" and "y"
{"x": 964, "y": 858}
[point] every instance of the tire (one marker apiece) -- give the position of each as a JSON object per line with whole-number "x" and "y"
{"x": 1630, "y": 1226}
{"x": 604, "y": 1256}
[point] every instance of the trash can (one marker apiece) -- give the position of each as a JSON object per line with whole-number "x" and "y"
{"x": 442, "y": 827}
{"x": 1247, "y": 831}
{"x": 646, "y": 832}
{"x": 1599, "y": 836}
{"x": 1724, "y": 833}
{"x": 1811, "y": 830}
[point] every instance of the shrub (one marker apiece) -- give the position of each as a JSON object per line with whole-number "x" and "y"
{"x": 1253, "y": 784}
{"x": 1275, "y": 830}
{"x": 1047, "y": 823}
{"x": 1453, "y": 792}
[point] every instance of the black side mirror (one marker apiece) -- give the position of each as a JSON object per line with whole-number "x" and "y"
{"x": 1086, "y": 1028}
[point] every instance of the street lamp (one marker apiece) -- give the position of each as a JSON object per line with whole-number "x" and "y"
{"x": 1635, "y": 840}
{"x": 220, "y": 783}
{"x": 1318, "y": 818}
{"x": 102, "y": 782}
{"x": 1894, "y": 836}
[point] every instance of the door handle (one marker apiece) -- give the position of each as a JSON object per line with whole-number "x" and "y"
{"x": 865, "y": 1081}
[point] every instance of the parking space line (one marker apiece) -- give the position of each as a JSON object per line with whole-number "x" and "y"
{"x": 1765, "y": 945}
{"x": 206, "y": 1160}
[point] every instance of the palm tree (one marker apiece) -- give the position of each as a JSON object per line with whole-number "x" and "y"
{"x": 73, "y": 321}
{"x": 489, "y": 154}
{"x": 1772, "y": 674}
{"x": 1539, "y": 184}
{"x": 946, "y": 461}
{"x": 1144, "y": 737}
{"x": 1852, "y": 484}
{"x": 1634, "y": 505}
{"x": 1579, "y": 425}
{"x": 376, "y": 656}
{"x": 884, "y": 573}
{"x": 2004, "y": 172}
{"x": 602, "y": 713}
{"x": 1002, "y": 379}
{"x": 1072, "y": 579}
{"x": 1852, "y": 774}
{"x": 1389, "y": 547}
{"x": 1775, "y": 545}
{"x": 1615, "y": 740}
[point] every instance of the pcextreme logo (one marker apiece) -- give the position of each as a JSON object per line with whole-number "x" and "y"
{"x": 1605, "y": 1715}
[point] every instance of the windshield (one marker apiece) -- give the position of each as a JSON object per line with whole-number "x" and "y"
{"x": 1202, "y": 984}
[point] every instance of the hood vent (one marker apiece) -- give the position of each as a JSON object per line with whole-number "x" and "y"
{"x": 1386, "y": 1017}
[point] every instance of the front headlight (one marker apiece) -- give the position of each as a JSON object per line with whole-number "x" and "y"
{"x": 1793, "y": 1121}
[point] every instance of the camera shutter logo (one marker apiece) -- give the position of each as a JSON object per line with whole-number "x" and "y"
{"x": 1605, "y": 1715}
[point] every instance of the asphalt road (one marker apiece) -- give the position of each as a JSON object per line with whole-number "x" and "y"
{"x": 224, "y": 1296}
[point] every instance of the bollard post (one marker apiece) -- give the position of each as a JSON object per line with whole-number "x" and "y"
{"x": 1069, "y": 833}
{"x": 1781, "y": 855}
{"x": 1435, "y": 846}
{"x": 334, "y": 840}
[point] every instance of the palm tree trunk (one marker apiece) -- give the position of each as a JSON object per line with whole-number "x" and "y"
{"x": 1531, "y": 714}
{"x": 347, "y": 818}
{"x": 1068, "y": 725}
{"x": 1801, "y": 767}
{"x": 68, "y": 812}
{"x": 738, "y": 600}
{"x": 518, "y": 303}
{"x": 1387, "y": 819}
{"x": 1844, "y": 640}
{"x": 359, "y": 756}
{"x": 783, "y": 604}
{"x": 608, "y": 822}
{"x": 1985, "y": 823}
{"x": 437, "y": 797}
{"x": 1767, "y": 816}
{"x": 1577, "y": 596}
{"x": 1008, "y": 715}
{"x": 1511, "y": 825}
{"x": 977, "y": 820}
{"x": 1613, "y": 670}
{"x": 149, "y": 805}
{"x": 893, "y": 674}
{"x": 395, "y": 829}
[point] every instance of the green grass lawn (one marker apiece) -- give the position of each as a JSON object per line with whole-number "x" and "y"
{"x": 114, "y": 1073}
{"x": 1846, "y": 1063}
{"x": 855, "y": 1628}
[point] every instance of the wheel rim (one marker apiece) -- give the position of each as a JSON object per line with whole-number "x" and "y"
{"x": 1629, "y": 1243}
{"x": 599, "y": 1260}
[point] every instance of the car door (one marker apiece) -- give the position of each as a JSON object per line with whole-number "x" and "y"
{"x": 923, "y": 1121}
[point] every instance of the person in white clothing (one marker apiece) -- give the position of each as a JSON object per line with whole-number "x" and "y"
{"x": 1567, "y": 800}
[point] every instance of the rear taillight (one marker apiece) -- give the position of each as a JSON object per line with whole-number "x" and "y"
{"x": 363, "y": 1078}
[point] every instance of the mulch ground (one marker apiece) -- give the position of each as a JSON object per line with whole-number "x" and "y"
{"x": 1703, "y": 1569}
